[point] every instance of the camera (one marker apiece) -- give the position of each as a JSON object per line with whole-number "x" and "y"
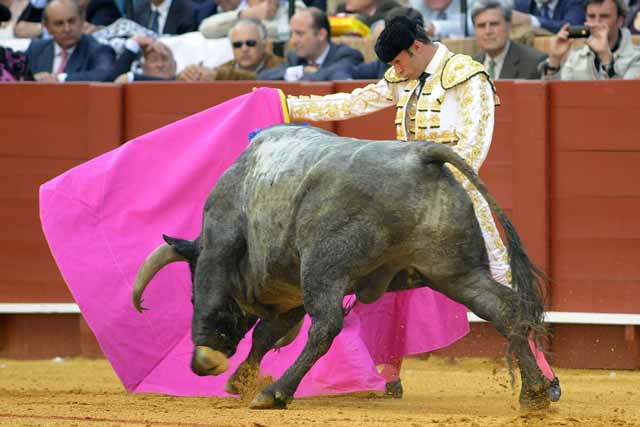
{"x": 579, "y": 32}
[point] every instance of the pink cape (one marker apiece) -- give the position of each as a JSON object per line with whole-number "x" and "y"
{"x": 102, "y": 218}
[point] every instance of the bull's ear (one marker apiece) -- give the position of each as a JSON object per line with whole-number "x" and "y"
{"x": 186, "y": 248}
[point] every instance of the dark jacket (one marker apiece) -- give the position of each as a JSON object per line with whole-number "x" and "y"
{"x": 339, "y": 57}
{"x": 180, "y": 19}
{"x": 521, "y": 62}
{"x": 373, "y": 70}
{"x": 205, "y": 10}
{"x": 571, "y": 11}
{"x": 90, "y": 60}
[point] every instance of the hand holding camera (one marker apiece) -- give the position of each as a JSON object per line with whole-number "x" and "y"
{"x": 599, "y": 41}
{"x": 560, "y": 45}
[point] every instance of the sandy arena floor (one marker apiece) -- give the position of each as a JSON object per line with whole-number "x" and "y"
{"x": 438, "y": 392}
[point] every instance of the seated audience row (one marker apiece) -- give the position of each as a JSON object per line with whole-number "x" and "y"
{"x": 70, "y": 55}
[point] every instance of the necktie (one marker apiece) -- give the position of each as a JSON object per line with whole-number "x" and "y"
{"x": 155, "y": 26}
{"x": 64, "y": 56}
{"x": 492, "y": 69}
{"x": 545, "y": 12}
{"x": 442, "y": 15}
{"x": 423, "y": 77}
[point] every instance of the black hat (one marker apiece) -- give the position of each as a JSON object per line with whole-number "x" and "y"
{"x": 398, "y": 35}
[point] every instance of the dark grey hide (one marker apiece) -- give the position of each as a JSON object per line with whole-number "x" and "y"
{"x": 304, "y": 217}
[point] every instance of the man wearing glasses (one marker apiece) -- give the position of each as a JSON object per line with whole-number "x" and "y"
{"x": 248, "y": 40}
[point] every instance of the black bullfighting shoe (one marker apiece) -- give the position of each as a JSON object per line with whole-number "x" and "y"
{"x": 554, "y": 390}
{"x": 393, "y": 389}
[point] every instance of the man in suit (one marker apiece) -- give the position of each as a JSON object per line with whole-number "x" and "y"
{"x": 502, "y": 58}
{"x": 550, "y": 15}
{"x": 314, "y": 57}
{"x": 167, "y": 16}
{"x": 69, "y": 55}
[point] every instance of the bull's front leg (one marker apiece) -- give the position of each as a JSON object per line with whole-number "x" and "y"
{"x": 264, "y": 337}
{"x": 324, "y": 304}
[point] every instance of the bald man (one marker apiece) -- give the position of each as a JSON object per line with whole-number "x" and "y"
{"x": 69, "y": 55}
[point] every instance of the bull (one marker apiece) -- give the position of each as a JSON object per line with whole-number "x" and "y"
{"x": 304, "y": 217}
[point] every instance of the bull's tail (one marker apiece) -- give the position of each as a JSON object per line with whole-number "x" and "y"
{"x": 527, "y": 278}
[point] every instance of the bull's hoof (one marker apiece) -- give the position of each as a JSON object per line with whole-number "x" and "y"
{"x": 554, "y": 391}
{"x": 393, "y": 389}
{"x": 531, "y": 400}
{"x": 231, "y": 388}
{"x": 267, "y": 399}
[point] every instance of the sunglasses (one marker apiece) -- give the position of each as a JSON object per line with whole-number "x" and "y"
{"x": 249, "y": 43}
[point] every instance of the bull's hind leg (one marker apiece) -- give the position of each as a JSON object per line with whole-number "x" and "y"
{"x": 323, "y": 302}
{"x": 499, "y": 304}
{"x": 265, "y": 335}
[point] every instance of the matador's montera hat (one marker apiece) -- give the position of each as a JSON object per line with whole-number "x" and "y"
{"x": 398, "y": 35}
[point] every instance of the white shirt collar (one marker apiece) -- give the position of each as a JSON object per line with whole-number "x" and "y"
{"x": 323, "y": 56}
{"x": 500, "y": 58}
{"x": 57, "y": 50}
{"x": 163, "y": 9}
{"x": 437, "y": 58}
{"x": 551, "y": 5}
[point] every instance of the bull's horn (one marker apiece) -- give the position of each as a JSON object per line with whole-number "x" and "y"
{"x": 163, "y": 255}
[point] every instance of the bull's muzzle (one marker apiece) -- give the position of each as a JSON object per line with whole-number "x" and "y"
{"x": 207, "y": 361}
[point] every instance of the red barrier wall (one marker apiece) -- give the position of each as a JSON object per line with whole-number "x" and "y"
{"x": 595, "y": 231}
{"x": 149, "y": 106}
{"x": 47, "y": 129}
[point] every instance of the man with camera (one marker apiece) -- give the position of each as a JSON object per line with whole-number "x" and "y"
{"x": 608, "y": 52}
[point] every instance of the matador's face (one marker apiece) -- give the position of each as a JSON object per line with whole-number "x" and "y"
{"x": 407, "y": 64}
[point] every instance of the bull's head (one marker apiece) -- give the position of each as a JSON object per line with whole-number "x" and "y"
{"x": 218, "y": 322}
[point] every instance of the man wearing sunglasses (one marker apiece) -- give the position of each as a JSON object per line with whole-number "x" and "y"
{"x": 248, "y": 40}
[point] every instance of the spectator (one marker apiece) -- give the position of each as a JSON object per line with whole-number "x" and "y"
{"x": 367, "y": 11}
{"x": 442, "y": 18}
{"x": 550, "y": 15}
{"x": 608, "y": 53}
{"x": 69, "y": 55}
{"x": 13, "y": 65}
{"x": 248, "y": 39}
{"x": 167, "y": 16}
{"x": 502, "y": 58}
{"x": 97, "y": 13}
{"x": 158, "y": 62}
{"x": 315, "y": 57}
{"x": 273, "y": 13}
